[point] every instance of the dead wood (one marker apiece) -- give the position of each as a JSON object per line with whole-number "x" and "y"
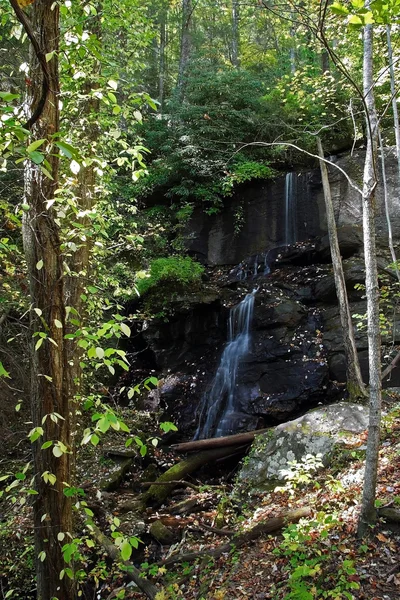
{"x": 390, "y": 514}
{"x": 240, "y": 539}
{"x": 147, "y": 484}
{"x": 184, "y": 507}
{"x": 132, "y": 573}
{"x": 217, "y": 530}
{"x": 221, "y": 442}
{"x": 391, "y": 366}
{"x": 158, "y": 493}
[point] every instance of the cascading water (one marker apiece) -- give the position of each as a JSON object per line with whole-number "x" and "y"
{"x": 218, "y": 405}
{"x": 290, "y": 208}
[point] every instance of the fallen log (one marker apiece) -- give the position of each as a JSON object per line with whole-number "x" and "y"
{"x": 240, "y": 539}
{"x": 221, "y": 442}
{"x": 390, "y": 514}
{"x": 132, "y": 573}
{"x": 158, "y": 493}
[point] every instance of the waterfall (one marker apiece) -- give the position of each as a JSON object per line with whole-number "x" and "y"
{"x": 290, "y": 208}
{"x": 218, "y": 404}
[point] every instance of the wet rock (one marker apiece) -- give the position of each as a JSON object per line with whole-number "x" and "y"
{"x": 273, "y": 312}
{"x": 350, "y": 239}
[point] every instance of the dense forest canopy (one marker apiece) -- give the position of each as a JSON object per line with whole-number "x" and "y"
{"x": 121, "y": 125}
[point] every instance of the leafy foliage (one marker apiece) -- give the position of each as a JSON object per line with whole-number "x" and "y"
{"x": 176, "y": 270}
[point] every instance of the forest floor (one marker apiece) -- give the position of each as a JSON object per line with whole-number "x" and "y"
{"x": 319, "y": 557}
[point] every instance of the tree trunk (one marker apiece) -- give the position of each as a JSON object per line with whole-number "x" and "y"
{"x": 387, "y": 208}
{"x": 394, "y": 95}
{"x": 52, "y": 510}
{"x": 368, "y": 512}
{"x": 240, "y": 539}
{"x": 355, "y": 384}
{"x": 186, "y": 44}
{"x": 221, "y": 442}
{"x": 235, "y": 34}
{"x": 162, "y": 49}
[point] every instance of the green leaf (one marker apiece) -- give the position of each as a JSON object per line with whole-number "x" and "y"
{"x": 57, "y": 451}
{"x": 125, "y": 329}
{"x": 36, "y": 157}
{"x": 112, "y": 84}
{"x": 8, "y": 96}
{"x": 3, "y": 372}
{"x": 116, "y": 109}
{"x": 47, "y": 445}
{"x": 39, "y": 264}
{"x": 68, "y": 150}
{"x": 46, "y": 172}
{"x": 94, "y": 439}
{"x": 355, "y": 20}
{"x": 35, "y": 145}
{"x": 58, "y": 323}
{"x": 38, "y": 343}
{"x": 50, "y": 55}
{"x": 339, "y": 9}
{"x": 99, "y": 352}
{"x": 126, "y": 550}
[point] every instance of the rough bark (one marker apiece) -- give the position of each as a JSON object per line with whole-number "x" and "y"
{"x": 368, "y": 512}
{"x": 355, "y": 384}
{"x": 52, "y": 510}
{"x": 221, "y": 442}
{"x": 241, "y": 539}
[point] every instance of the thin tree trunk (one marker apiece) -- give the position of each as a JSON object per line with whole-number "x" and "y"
{"x": 52, "y": 510}
{"x": 186, "y": 44}
{"x": 368, "y": 512}
{"x": 387, "y": 208}
{"x": 394, "y": 96}
{"x": 235, "y": 34}
{"x": 163, "y": 43}
{"x": 355, "y": 384}
{"x": 325, "y": 64}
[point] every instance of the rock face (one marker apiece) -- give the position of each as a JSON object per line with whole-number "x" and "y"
{"x": 265, "y": 205}
{"x": 295, "y": 358}
{"x": 315, "y": 433}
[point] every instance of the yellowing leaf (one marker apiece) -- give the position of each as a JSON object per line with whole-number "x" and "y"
{"x": 125, "y": 329}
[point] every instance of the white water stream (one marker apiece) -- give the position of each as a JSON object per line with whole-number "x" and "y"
{"x": 218, "y": 406}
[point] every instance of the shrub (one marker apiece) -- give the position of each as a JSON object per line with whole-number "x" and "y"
{"x": 178, "y": 270}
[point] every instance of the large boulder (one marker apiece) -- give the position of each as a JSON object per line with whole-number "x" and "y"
{"x": 316, "y": 432}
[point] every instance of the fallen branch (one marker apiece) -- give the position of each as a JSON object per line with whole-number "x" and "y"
{"x": 132, "y": 573}
{"x": 221, "y": 442}
{"x": 390, "y": 514}
{"x": 240, "y": 539}
{"x": 176, "y": 482}
{"x": 391, "y": 366}
{"x": 158, "y": 493}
